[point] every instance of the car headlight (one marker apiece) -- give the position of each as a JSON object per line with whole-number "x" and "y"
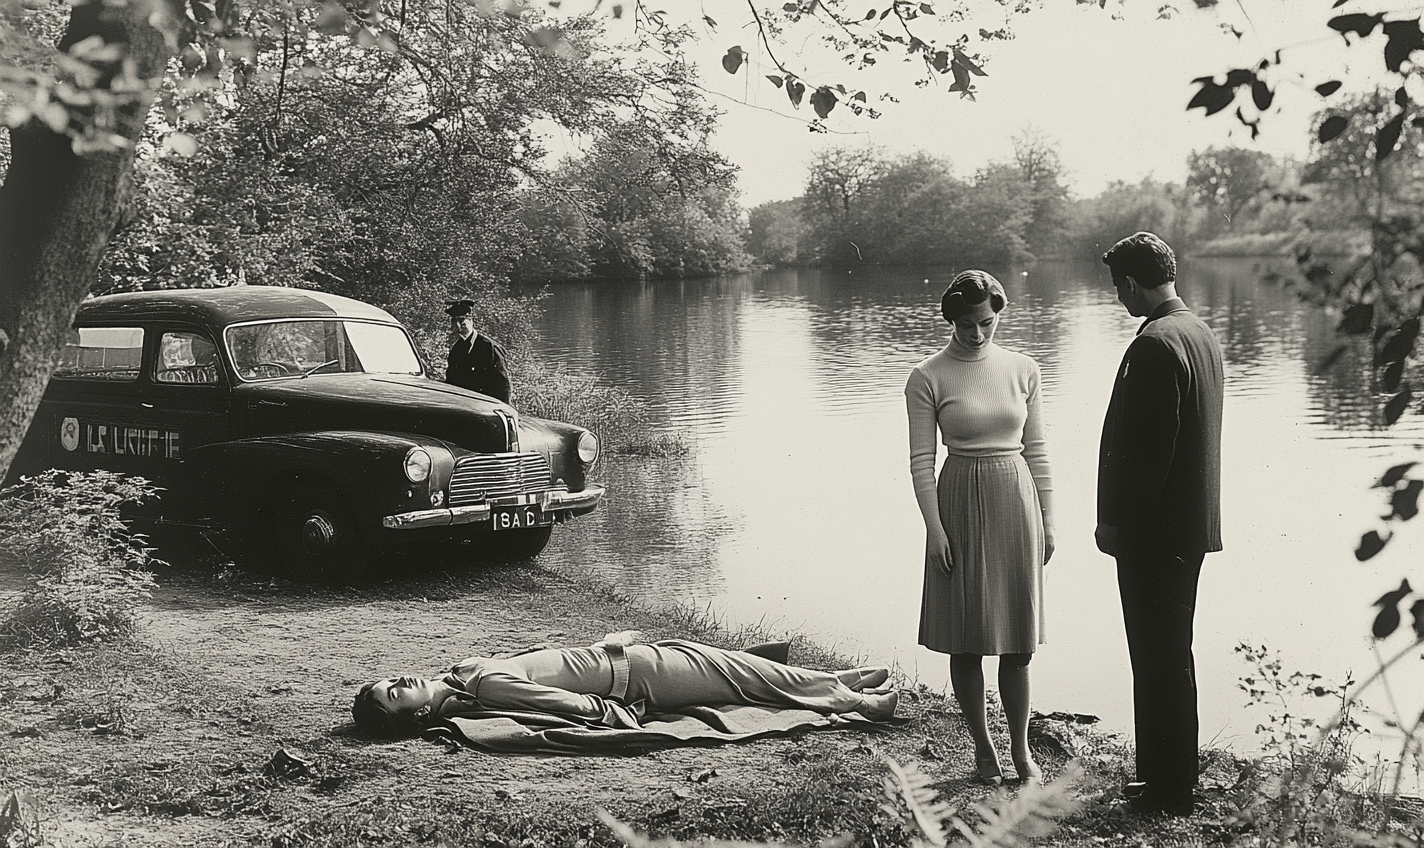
{"x": 417, "y": 465}
{"x": 587, "y": 448}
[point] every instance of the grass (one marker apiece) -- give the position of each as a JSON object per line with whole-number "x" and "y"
{"x": 615, "y": 416}
{"x": 162, "y": 735}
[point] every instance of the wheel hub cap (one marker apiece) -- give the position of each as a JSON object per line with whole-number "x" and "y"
{"x": 318, "y": 534}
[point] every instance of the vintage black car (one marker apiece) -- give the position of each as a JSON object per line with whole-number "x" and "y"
{"x": 305, "y": 420}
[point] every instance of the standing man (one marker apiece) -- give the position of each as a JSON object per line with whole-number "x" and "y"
{"x": 476, "y": 361}
{"x": 1159, "y": 510}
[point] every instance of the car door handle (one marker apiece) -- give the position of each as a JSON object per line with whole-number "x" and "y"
{"x": 145, "y": 405}
{"x": 269, "y": 403}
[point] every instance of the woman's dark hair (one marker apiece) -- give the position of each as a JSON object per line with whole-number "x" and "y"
{"x": 374, "y": 719}
{"x": 969, "y": 289}
{"x": 1143, "y": 257}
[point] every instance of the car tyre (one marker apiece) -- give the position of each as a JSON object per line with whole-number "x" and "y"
{"x": 521, "y": 544}
{"x": 317, "y": 537}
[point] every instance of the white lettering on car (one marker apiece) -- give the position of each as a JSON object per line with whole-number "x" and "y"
{"x": 123, "y": 440}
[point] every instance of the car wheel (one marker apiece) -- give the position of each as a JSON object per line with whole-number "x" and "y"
{"x": 521, "y": 544}
{"x": 317, "y": 536}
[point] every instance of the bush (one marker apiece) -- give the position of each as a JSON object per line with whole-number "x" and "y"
{"x": 616, "y": 417}
{"x": 85, "y": 573}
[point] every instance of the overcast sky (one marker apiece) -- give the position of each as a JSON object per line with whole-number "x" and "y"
{"x": 1109, "y": 90}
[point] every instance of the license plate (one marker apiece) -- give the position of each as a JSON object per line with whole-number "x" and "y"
{"x": 519, "y": 517}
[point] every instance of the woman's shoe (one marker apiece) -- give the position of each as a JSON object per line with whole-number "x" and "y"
{"x": 1028, "y": 770}
{"x": 879, "y": 707}
{"x": 987, "y": 770}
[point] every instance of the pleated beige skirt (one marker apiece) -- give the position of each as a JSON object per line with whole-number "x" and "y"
{"x": 992, "y": 602}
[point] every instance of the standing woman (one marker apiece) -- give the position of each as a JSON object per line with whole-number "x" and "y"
{"x": 988, "y": 522}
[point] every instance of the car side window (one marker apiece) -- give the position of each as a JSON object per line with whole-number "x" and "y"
{"x": 101, "y": 353}
{"x": 185, "y": 357}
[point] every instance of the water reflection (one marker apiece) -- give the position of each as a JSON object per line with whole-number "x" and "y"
{"x": 795, "y": 505}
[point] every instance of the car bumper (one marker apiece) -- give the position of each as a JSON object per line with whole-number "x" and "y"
{"x": 559, "y": 504}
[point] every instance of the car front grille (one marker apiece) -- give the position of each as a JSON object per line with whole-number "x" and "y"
{"x": 498, "y": 475}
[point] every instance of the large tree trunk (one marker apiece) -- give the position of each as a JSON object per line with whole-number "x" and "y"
{"x": 58, "y": 210}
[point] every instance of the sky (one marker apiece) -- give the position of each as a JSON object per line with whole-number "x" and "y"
{"x": 1108, "y": 86}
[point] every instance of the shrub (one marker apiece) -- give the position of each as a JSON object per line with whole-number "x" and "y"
{"x": 616, "y": 417}
{"x": 85, "y": 574}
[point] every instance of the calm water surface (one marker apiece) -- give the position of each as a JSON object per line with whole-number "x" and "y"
{"x": 794, "y": 508}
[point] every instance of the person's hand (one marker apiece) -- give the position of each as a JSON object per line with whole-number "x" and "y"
{"x": 1049, "y": 544}
{"x": 1106, "y": 536}
{"x": 623, "y": 638}
{"x": 937, "y": 551}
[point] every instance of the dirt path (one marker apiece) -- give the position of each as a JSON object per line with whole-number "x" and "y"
{"x": 171, "y": 741}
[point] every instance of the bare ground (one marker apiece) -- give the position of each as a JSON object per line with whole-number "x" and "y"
{"x": 225, "y": 722}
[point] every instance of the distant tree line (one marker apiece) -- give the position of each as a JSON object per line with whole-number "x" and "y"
{"x": 863, "y": 206}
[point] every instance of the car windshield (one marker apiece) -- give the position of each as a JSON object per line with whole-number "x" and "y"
{"x": 276, "y": 349}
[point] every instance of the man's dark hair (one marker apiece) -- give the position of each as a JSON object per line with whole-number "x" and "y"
{"x": 971, "y": 288}
{"x": 374, "y": 719}
{"x": 1143, "y": 257}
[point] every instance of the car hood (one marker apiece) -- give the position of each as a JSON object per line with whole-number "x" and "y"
{"x": 395, "y": 402}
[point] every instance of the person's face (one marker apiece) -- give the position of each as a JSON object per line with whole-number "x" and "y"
{"x": 975, "y": 328}
{"x": 403, "y": 695}
{"x": 463, "y": 326}
{"x": 1129, "y": 294}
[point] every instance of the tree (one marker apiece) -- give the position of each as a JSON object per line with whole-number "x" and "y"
{"x": 775, "y": 232}
{"x": 1036, "y": 157}
{"x": 1227, "y": 179}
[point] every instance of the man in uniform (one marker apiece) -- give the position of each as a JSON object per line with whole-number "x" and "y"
{"x": 476, "y": 361}
{"x": 1159, "y": 509}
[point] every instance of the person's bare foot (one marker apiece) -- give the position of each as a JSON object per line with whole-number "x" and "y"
{"x": 879, "y": 706}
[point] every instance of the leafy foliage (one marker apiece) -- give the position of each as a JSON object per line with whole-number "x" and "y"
{"x": 85, "y": 572}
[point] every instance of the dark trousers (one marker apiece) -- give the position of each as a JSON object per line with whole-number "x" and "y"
{"x": 1159, "y": 599}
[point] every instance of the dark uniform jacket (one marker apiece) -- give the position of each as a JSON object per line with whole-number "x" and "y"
{"x": 1159, "y": 466}
{"x": 477, "y": 364}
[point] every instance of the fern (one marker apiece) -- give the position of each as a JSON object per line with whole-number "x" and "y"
{"x": 926, "y": 809}
{"x": 1014, "y": 820}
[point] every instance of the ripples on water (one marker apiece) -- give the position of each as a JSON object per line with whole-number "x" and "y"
{"x": 794, "y": 507}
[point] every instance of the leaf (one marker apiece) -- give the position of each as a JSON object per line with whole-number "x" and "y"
{"x": 732, "y": 59}
{"x": 1388, "y": 137}
{"x": 181, "y": 143}
{"x": 1331, "y": 127}
{"x": 1396, "y": 405}
{"x": 926, "y": 9}
{"x": 1261, "y": 95}
{"x": 1400, "y": 345}
{"x": 823, "y": 101}
{"x": 961, "y": 77}
{"x": 1404, "y": 38}
{"x": 1212, "y": 97}
{"x": 1404, "y": 503}
{"x": 1392, "y": 477}
{"x": 940, "y": 62}
{"x": 1358, "y": 319}
{"x": 1392, "y": 374}
{"x": 1325, "y": 89}
{"x": 711, "y": 24}
{"x": 1370, "y": 544}
{"x": 795, "y": 89}
{"x": 1388, "y": 619}
{"x": 1358, "y": 23}
{"x": 790, "y": 7}
{"x": 332, "y": 19}
{"x": 969, "y": 63}
{"x": 869, "y": 15}
{"x": 775, "y": 80}
{"x": 55, "y": 116}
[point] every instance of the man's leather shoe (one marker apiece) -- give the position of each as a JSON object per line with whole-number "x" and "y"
{"x": 1148, "y": 802}
{"x": 1132, "y": 790}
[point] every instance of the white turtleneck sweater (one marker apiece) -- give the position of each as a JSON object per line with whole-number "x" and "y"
{"x": 984, "y": 403}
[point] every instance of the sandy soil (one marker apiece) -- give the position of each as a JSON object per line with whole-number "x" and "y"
{"x": 171, "y": 740}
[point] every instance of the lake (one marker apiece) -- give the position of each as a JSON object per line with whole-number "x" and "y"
{"x": 794, "y": 508}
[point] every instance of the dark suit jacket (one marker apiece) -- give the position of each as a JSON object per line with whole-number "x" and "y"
{"x": 1159, "y": 466}
{"x": 479, "y": 366}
